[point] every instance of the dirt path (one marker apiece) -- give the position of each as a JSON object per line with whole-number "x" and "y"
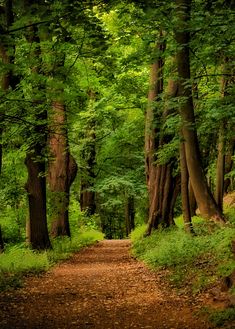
{"x": 101, "y": 287}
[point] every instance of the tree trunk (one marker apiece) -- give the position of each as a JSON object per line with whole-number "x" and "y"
{"x": 205, "y": 200}
{"x": 8, "y": 79}
{"x": 220, "y": 170}
{"x": 153, "y": 171}
{"x": 7, "y": 21}
{"x": 87, "y": 199}
{"x": 184, "y": 190}
{"x": 229, "y": 164}
{"x": 192, "y": 200}
{"x": 62, "y": 171}
{"x": 159, "y": 176}
{"x": 87, "y": 193}
{"x": 168, "y": 188}
{"x": 174, "y": 195}
{"x": 129, "y": 215}
{"x": 36, "y": 188}
{"x": 37, "y": 232}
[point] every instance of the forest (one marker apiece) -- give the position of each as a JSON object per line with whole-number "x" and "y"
{"x": 117, "y": 121}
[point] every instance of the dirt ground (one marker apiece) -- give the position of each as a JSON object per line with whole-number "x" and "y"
{"x": 101, "y": 287}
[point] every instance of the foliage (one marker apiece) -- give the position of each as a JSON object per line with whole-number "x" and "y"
{"x": 193, "y": 260}
{"x": 221, "y": 318}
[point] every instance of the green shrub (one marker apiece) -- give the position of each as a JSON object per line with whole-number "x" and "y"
{"x": 230, "y": 214}
{"x": 199, "y": 259}
{"x": 168, "y": 247}
{"x": 18, "y": 260}
{"x": 138, "y": 233}
{"x": 221, "y": 318}
{"x": 13, "y": 225}
{"x": 63, "y": 247}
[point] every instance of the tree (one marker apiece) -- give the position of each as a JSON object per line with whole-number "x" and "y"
{"x": 88, "y": 155}
{"x": 62, "y": 171}
{"x": 205, "y": 200}
{"x": 160, "y": 181}
{"x": 35, "y": 159}
{"x": 185, "y": 190}
{"x": 7, "y": 21}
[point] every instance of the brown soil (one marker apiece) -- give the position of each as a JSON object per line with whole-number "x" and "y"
{"x": 101, "y": 287}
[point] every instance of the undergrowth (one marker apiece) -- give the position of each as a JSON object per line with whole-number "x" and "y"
{"x": 19, "y": 260}
{"x": 194, "y": 262}
{"x": 223, "y": 317}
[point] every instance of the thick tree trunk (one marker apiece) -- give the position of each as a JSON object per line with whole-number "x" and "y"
{"x": 205, "y": 200}
{"x": 153, "y": 171}
{"x": 162, "y": 193}
{"x": 184, "y": 190}
{"x": 36, "y": 188}
{"x": 62, "y": 171}
{"x": 37, "y": 230}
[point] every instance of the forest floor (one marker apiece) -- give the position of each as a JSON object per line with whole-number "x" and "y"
{"x": 101, "y": 287}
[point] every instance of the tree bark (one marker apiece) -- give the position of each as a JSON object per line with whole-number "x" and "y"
{"x": 38, "y": 235}
{"x": 220, "y": 170}
{"x": 87, "y": 193}
{"x": 129, "y": 215}
{"x": 175, "y": 193}
{"x": 87, "y": 198}
{"x": 192, "y": 200}
{"x": 205, "y": 200}
{"x": 61, "y": 172}
{"x": 184, "y": 190}
{"x": 221, "y": 158}
{"x": 153, "y": 171}
{"x": 36, "y": 188}
{"x": 229, "y": 164}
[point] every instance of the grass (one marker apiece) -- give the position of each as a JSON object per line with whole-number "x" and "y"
{"x": 220, "y": 318}
{"x": 194, "y": 261}
{"x": 20, "y": 260}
